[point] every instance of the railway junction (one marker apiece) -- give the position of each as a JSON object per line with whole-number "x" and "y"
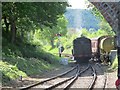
{"x": 84, "y": 76}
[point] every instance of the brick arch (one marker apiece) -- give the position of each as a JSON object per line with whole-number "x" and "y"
{"x": 110, "y": 11}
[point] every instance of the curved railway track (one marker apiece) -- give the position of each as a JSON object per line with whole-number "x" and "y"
{"x": 52, "y": 78}
{"x": 71, "y": 79}
{"x": 93, "y": 80}
{"x": 99, "y": 77}
{"x": 102, "y": 76}
{"x": 66, "y": 83}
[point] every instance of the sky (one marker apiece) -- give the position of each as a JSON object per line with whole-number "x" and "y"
{"x": 77, "y": 4}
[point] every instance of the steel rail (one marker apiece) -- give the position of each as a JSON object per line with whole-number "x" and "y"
{"x": 72, "y": 77}
{"x": 55, "y": 85}
{"x": 54, "y": 77}
{"x": 75, "y": 78}
{"x": 105, "y": 76}
{"x": 93, "y": 80}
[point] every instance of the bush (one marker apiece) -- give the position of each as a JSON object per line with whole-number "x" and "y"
{"x": 24, "y": 60}
{"x": 115, "y": 63}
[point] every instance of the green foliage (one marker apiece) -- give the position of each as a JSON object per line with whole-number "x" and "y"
{"x": 50, "y": 34}
{"x": 103, "y": 24}
{"x": 66, "y": 41}
{"x": 115, "y": 63}
{"x": 51, "y": 50}
{"x": 10, "y": 70}
{"x": 105, "y": 29}
{"x": 97, "y": 13}
{"x": 24, "y": 60}
{"x": 26, "y": 16}
{"x": 24, "y": 24}
{"x": 26, "y": 13}
{"x": 94, "y": 34}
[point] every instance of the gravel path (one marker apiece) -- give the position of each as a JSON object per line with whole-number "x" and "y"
{"x": 111, "y": 78}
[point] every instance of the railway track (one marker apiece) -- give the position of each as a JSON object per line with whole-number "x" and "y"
{"x": 87, "y": 78}
{"x": 52, "y": 78}
{"x": 99, "y": 76}
{"x": 67, "y": 80}
{"x": 102, "y": 76}
{"x": 93, "y": 77}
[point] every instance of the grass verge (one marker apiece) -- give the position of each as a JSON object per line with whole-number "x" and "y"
{"x": 24, "y": 60}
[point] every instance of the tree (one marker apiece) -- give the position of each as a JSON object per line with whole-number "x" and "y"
{"x": 50, "y": 33}
{"x": 30, "y": 15}
{"x": 103, "y": 24}
{"x": 106, "y": 27}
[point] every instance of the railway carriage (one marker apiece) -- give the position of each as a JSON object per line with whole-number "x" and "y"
{"x": 82, "y": 50}
{"x": 97, "y": 48}
{"x": 95, "y": 45}
{"x": 102, "y": 46}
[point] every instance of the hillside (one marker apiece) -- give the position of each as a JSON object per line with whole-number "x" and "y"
{"x": 81, "y": 18}
{"x": 24, "y": 59}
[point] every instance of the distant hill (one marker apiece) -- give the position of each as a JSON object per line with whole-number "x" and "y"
{"x": 81, "y": 18}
